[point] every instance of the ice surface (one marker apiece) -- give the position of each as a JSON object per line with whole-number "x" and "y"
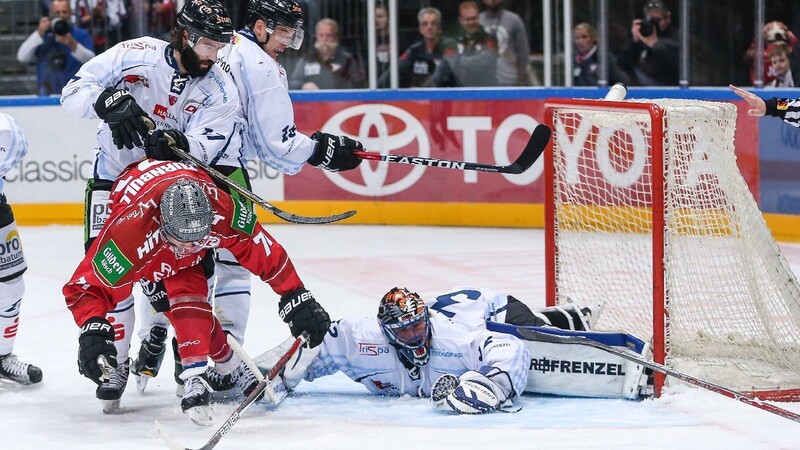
{"x": 348, "y": 268}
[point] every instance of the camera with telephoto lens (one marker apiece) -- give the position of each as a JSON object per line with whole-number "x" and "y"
{"x": 59, "y": 26}
{"x": 648, "y": 26}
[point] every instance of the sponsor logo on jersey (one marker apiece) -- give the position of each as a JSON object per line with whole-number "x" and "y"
{"x": 172, "y": 100}
{"x": 244, "y": 217}
{"x": 111, "y": 264}
{"x": 165, "y": 271}
{"x": 178, "y": 84}
{"x": 11, "y": 252}
{"x": 137, "y": 45}
{"x": 151, "y": 241}
{"x": 383, "y": 386}
{"x": 545, "y": 365}
{"x": 136, "y": 79}
{"x": 131, "y": 185}
{"x": 368, "y": 349}
{"x": 190, "y": 109}
{"x": 445, "y": 353}
{"x": 160, "y": 111}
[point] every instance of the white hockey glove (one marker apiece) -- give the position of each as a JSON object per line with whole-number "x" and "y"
{"x": 295, "y": 369}
{"x": 473, "y": 393}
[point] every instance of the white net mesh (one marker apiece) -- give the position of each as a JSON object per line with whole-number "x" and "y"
{"x": 731, "y": 300}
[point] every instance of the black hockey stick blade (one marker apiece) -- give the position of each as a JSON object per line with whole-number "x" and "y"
{"x": 534, "y": 335}
{"x": 287, "y": 216}
{"x": 532, "y": 151}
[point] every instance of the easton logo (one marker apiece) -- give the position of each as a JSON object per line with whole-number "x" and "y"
{"x": 111, "y": 264}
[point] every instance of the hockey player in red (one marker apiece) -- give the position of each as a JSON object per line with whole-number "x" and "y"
{"x": 164, "y": 216}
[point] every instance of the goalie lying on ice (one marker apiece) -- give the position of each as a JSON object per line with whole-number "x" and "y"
{"x": 444, "y": 351}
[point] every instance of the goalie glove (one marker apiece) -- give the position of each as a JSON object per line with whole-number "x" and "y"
{"x": 475, "y": 393}
{"x": 300, "y": 310}
{"x": 295, "y": 369}
{"x": 126, "y": 119}
{"x": 96, "y": 352}
{"x": 334, "y": 153}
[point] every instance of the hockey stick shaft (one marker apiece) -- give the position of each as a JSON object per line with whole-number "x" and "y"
{"x": 249, "y": 400}
{"x": 287, "y": 216}
{"x": 532, "y": 151}
{"x": 534, "y": 335}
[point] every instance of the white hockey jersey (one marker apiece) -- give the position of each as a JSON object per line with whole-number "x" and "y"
{"x": 471, "y": 306}
{"x": 270, "y": 132}
{"x": 205, "y": 108}
{"x": 13, "y": 146}
{"x": 358, "y": 348}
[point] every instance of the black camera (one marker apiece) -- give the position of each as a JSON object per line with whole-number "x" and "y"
{"x": 648, "y": 26}
{"x": 59, "y": 26}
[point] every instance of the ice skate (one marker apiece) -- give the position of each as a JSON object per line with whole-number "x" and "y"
{"x": 196, "y": 401}
{"x": 151, "y": 353}
{"x": 217, "y": 381}
{"x": 245, "y": 379}
{"x": 111, "y": 391}
{"x": 20, "y": 372}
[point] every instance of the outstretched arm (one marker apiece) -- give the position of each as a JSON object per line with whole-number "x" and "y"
{"x": 757, "y": 106}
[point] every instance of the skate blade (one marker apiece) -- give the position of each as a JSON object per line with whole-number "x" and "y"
{"x": 201, "y": 415}
{"x": 141, "y": 382}
{"x": 110, "y": 406}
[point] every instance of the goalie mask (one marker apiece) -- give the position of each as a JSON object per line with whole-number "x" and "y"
{"x": 405, "y": 322}
{"x": 186, "y": 218}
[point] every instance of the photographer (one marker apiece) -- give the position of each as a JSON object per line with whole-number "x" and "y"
{"x": 651, "y": 57}
{"x": 58, "y": 49}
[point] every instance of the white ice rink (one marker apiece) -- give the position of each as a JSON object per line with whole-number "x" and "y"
{"x": 348, "y": 268}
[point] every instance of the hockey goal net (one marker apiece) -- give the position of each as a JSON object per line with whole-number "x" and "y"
{"x": 647, "y": 211}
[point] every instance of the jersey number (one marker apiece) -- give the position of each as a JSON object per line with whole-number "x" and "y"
{"x": 445, "y": 300}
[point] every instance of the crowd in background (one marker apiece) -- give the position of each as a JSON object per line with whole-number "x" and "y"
{"x": 481, "y": 43}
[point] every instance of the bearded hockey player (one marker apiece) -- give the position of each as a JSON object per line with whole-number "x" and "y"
{"x": 164, "y": 218}
{"x": 13, "y": 147}
{"x": 270, "y": 136}
{"x": 173, "y": 87}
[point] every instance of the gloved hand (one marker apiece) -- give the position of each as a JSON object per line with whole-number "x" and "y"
{"x": 96, "y": 352}
{"x": 300, "y": 310}
{"x": 159, "y": 142}
{"x": 334, "y": 153}
{"x": 472, "y": 393}
{"x": 128, "y": 122}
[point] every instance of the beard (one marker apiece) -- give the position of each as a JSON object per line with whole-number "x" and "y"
{"x": 192, "y": 63}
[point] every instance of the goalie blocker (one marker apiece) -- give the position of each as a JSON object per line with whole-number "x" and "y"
{"x": 580, "y": 371}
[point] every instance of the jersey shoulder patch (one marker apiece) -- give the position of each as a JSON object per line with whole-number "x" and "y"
{"x": 244, "y": 216}
{"x": 110, "y": 263}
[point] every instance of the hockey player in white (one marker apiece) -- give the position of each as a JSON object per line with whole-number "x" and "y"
{"x": 174, "y": 88}
{"x": 270, "y": 136}
{"x": 13, "y": 147}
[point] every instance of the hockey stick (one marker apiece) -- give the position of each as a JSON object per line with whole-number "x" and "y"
{"x": 287, "y": 216}
{"x": 249, "y": 400}
{"x": 534, "y": 335}
{"x": 533, "y": 150}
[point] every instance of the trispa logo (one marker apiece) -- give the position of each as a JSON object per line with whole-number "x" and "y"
{"x": 368, "y": 349}
{"x": 111, "y": 264}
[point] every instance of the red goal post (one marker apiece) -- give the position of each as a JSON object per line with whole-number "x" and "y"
{"x": 647, "y": 212}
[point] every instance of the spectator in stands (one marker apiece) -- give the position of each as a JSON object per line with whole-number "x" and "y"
{"x": 775, "y": 33}
{"x": 161, "y": 16}
{"x": 418, "y": 64}
{"x": 57, "y": 47}
{"x": 382, "y": 39}
{"x": 585, "y": 66}
{"x": 327, "y": 66}
{"x": 101, "y": 18}
{"x": 651, "y": 56}
{"x": 513, "y": 68}
{"x": 475, "y": 62}
{"x": 784, "y": 68}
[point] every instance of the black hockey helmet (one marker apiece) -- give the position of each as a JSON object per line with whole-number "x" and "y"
{"x": 206, "y": 18}
{"x": 287, "y": 13}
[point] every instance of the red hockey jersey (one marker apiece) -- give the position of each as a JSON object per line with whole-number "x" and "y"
{"x": 130, "y": 247}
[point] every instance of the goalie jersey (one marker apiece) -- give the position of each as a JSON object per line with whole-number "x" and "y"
{"x": 206, "y": 109}
{"x": 358, "y": 348}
